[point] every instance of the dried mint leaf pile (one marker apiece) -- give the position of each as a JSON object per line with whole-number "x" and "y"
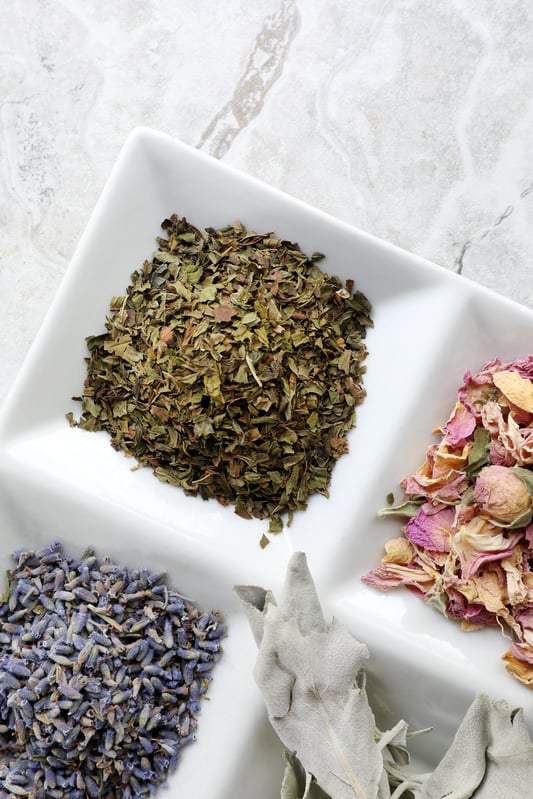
{"x": 232, "y": 367}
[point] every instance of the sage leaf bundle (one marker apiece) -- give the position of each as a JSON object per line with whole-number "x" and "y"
{"x": 312, "y": 678}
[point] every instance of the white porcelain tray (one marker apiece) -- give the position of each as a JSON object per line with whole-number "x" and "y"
{"x": 62, "y": 483}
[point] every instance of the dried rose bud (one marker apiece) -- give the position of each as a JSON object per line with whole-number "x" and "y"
{"x": 501, "y": 494}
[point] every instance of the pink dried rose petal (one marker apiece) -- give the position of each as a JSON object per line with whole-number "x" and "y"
{"x": 403, "y": 564}
{"x": 478, "y": 543}
{"x": 391, "y": 575}
{"x": 513, "y": 443}
{"x": 459, "y": 426}
{"x": 441, "y": 476}
{"x": 479, "y": 388}
{"x": 470, "y": 564}
{"x": 492, "y": 419}
{"x": 460, "y": 608}
{"x": 526, "y": 447}
{"x": 447, "y": 488}
{"x": 499, "y": 456}
{"x": 524, "y": 366}
{"x": 444, "y": 458}
{"x": 522, "y": 652}
{"x": 431, "y": 530}
{"x": 524, "y": 616}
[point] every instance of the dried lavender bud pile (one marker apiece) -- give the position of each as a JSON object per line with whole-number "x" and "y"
{"x": 101, "y": 673}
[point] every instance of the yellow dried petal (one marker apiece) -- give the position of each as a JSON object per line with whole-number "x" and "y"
{"x": 468, "y": 627}
{"x": 528, "y": 582}
{"x": 518, "y": 668}
{"x": 447, "y": 458}
{"x": 517, "y": 389}
{"x": 512, "y": 567}
{"x": 469, "y": 590}
{"x": 398, "y": 550}
{"x": 490, "y": 593}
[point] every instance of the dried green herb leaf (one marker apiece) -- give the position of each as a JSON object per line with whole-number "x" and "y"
{"x": 232, "y": 367}
{"x": 407, "y": 509}
{"x": 478, "y": 456}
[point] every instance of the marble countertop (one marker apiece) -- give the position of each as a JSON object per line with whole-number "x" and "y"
{"x": 410, "y": 119}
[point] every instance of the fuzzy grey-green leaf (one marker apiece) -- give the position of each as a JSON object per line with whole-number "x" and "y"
{"x": 327, "y": 722}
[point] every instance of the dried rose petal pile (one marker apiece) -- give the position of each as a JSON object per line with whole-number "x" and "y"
{"x": 467, "y": 547}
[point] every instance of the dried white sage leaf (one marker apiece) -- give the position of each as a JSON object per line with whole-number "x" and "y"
{"x": 491, "y": 756}
{"x": 312, "y": 680}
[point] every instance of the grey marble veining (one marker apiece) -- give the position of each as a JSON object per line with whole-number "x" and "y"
{"x": 411, "y": 119}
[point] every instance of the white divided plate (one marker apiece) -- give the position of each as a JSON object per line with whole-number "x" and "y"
{"x": 60, "y": 483}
